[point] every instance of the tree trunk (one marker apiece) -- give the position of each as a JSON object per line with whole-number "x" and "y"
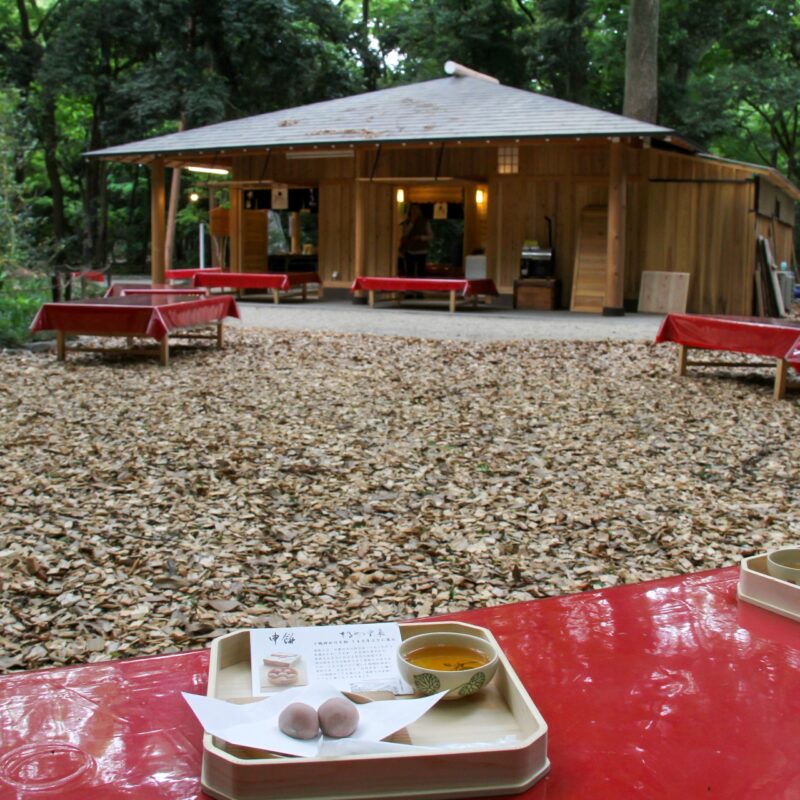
{"x": 641, "y": 61}
{"x": 172, "y": 208}
{"x": 50, "y": 142}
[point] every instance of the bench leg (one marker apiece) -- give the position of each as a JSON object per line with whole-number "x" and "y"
{"x": 320, "y": 292}
{"x": 163, "y": 348}
{"x": 683, "y": 352}
{"x": 780, "y": 378}
{"x": 452, "y": 302}
{"x": 276, "y": 298}
{"x": 371, "y": 295}
{"x": 61, "y": 346}
{"x": 220, "y": 335}
{"x": 130, "y": 341}
{"x": 305, "y": 293}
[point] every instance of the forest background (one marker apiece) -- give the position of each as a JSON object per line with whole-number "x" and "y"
{"x": 78, "y": 75}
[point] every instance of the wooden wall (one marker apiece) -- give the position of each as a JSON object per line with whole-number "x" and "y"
{"x": 684, "y": 213}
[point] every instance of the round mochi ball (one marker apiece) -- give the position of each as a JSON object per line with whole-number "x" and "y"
{"x": 299, "y": 721}
{"x": 338, "y": 717}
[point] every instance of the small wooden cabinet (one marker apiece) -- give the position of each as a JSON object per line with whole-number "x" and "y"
{"x": 536, "y": 293}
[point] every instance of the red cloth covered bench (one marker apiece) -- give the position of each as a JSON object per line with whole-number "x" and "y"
{"x": 760, "y": 336}
{"x": 454, "y": 287}
{"x": 274, "y": 282}
{"x": 153, "y": 315}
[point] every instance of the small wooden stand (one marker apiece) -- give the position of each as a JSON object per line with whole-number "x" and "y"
{"x": 536, "y": 293}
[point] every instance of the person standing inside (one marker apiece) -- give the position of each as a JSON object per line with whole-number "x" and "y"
{"x": 415, "y": 242}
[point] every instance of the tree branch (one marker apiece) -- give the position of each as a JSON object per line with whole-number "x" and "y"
{"x": 526, "y": 11}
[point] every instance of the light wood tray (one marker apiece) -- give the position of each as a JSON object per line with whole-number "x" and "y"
{"x": 758, "y": 587}
{"x": 503, "y": 740}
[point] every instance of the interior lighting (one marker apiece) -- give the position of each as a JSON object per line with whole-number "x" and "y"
{"x": 194, "y": 197}
{"x": 479, "y": 196}
{"x": 401, "y": 196}
{"x": 210, "y": 170}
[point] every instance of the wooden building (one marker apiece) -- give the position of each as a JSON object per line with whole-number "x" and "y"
{"x": 516, "y": 165}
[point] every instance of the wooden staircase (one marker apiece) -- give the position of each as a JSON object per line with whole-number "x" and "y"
{"x": 589, "y": 279}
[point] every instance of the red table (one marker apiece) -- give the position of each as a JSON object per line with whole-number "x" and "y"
{"x": 668, "y": 689}
{"x": 155, "y": 315}
{"x": 760, "y": 336}
{"x": 453, "y": 286}
{"x": 128, "y": 289}
{"x": 188, "y": 274}
{"x": 276, "y": 282}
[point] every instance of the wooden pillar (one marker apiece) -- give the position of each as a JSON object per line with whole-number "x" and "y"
{"x": 359, "y": 251}
{"x": 615, "y": 247}
{"x": 235, "y": 229}
{"x": 157, "y": 221}
{"x": 295, "y": 232}
{"x": 172, "y": 214}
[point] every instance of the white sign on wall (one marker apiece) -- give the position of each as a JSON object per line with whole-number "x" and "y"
{"x": 280, "y": 197}
{"x": 440, "y": 210}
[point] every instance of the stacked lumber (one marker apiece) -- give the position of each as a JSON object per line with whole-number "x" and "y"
{"x": 768, "y": 295}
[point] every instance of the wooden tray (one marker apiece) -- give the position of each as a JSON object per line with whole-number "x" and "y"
{"x": 503, "y": 738}
{"x": 758, "y": 587}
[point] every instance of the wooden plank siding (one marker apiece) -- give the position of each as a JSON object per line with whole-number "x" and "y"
{"x": 684, "y": 213}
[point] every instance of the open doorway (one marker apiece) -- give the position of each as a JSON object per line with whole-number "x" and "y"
{"x": 450, "y": 217}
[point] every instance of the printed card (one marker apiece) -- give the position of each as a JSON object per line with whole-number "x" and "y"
{"x": 355, "y": 658}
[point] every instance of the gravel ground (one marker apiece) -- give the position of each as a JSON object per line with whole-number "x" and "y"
{"x": 318, "y": 478}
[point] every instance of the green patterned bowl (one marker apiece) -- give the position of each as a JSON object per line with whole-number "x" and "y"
{"x": 459, "y": 682}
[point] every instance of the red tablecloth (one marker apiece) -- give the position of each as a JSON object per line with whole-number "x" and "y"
{"x": 761, "y": 336}
{"x": 128, "y": 289}
{"x": 668, "y": 689}
{"x": 255, "y": 280}
{"x": 464, "y": 287}
{"x": 154, "y": 315}
{"x": 188, "y": 274}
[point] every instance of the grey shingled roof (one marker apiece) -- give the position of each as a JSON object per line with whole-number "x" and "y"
{"x": 446, "y": 109}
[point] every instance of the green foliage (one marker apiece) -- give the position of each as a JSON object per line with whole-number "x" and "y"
{"x": 85, "y": 74}
{"x": 20, "y": 298}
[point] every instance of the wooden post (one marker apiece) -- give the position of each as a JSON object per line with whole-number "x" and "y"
{"x": 780, "y": 378}
{"x": 452, "y": 302}
{"x": 163, "y": 347}
{"x": 295, "y": 232}
{"x": 61, "y": 347}
{"x": 157, "y": 222}
{"x": 220, "y": 335}
{"x": 235, "y": 229}
{"x": 359, "y": 251}
{"x": 172, "y": 213}
{"x": 615, "y": 248}
{"x": 683, "y": 352}
{"x": 275, "y": 297}
{"x": 371, "y": 294}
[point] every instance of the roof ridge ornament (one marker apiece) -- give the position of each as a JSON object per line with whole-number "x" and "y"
{"x": 460, "y": 71}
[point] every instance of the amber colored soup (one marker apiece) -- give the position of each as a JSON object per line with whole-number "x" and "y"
{"x": 447, "y": 657}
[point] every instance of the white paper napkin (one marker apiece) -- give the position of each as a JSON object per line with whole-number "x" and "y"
{"x": 256, "y": 724}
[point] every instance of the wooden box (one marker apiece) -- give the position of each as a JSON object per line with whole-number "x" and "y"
{"x": 536, "y": 293}
{"x": 498, "y": 739}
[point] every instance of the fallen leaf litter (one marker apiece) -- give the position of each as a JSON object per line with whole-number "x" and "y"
{"x": 318, "y": 479}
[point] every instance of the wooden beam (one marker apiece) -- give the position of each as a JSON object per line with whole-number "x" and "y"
{"x": 615, "y": 243}
{"x": 359, "y": 249}
{"x": 157, "y": 221}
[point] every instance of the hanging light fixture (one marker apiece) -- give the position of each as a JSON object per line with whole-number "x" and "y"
{"x": 194, "y": 196}
{"x": 401, "y": 196}
{"x": 480, "y": 196}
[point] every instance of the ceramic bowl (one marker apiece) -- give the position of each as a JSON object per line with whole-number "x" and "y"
{"x": 785, "y": 564}
{"x": 458, "y": 683}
